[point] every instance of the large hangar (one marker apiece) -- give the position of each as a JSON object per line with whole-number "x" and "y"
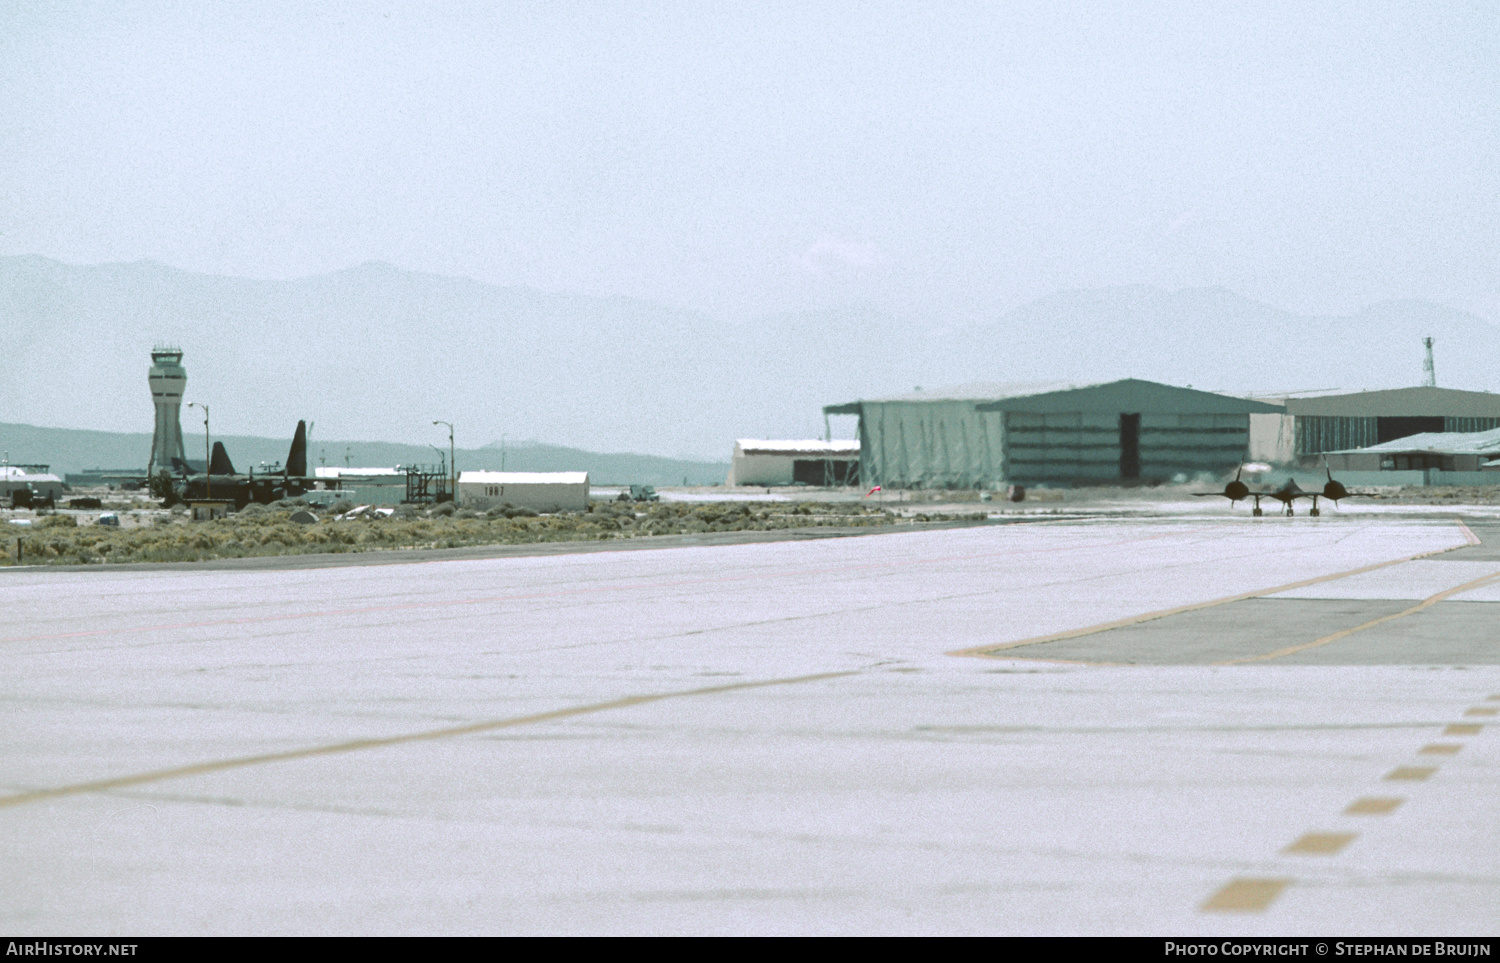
{"x": 982, "y": 436}
{"x": 1358, "y": 420}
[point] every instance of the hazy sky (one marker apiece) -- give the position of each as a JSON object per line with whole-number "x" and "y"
{"x": 930, "y": 159}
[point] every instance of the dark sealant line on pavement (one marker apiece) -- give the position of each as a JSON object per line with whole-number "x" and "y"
{"x": 357, "y": 745}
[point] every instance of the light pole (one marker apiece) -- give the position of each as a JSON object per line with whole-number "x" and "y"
{"x": 208, "y": 473}
{"x": 502, "y": 453}
{"x": 441, "y": 457}
{"x": 452, "y": 463}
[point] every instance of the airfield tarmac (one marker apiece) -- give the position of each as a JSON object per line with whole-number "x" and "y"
{"x": 1172, "y": 726}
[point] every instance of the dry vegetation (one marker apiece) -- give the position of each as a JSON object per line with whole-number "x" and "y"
{"x": 268, "y": 530}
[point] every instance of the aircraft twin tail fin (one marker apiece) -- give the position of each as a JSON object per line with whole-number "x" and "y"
{"x": 218, "y": 463}
{"x": 296, "y": 459}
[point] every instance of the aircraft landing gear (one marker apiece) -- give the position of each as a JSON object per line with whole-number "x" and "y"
{"x": 1257, "y": 511}
{"x": 1316, "y": 512}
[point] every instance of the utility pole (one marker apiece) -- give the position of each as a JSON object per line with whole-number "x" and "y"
{"x": 208, "y": 462}
{"x": 1429, "y": 376}
{"x": 452, "y": 461}
{"x": 502, "y": 453}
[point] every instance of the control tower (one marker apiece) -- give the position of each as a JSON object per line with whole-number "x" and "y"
{"x": 168, "y": 379}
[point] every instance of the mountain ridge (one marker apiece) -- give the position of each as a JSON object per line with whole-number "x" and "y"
{"x": 77, "y": 450}
{"x": 378, "y": 351}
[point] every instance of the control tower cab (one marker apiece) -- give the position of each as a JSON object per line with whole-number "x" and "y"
{"x": 168, "y": 379}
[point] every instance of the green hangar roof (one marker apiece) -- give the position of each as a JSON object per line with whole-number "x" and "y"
{"x": 1399, "y": 402}
{"x": 1130, "y": 394}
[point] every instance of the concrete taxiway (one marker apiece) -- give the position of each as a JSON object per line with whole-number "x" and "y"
{"x": 1163, "y": 726}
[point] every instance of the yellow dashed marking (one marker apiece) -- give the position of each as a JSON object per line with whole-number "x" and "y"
{"x": 1320, "y": 844}
{"x": 1373, "y": 806}
{"x": 1411, "y": 773}
{"x": 1482, "y": 711}
{"x": 355, "y": 745}
{"x": 1245, "y": 895}
{"x": 1425, "y": 603}
{"x": 1440, "y": 749}
{"x": 1463, "y": 729}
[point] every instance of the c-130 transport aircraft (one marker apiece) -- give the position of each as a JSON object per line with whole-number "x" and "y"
{"x": 222, "y": 482}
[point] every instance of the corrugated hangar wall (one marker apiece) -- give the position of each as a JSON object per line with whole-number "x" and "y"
{"x": 929, "y": 444}
{"x": 1131, "y": 430}
{"x": 1363, "y": 418}
{"x": 1320, "y": 433}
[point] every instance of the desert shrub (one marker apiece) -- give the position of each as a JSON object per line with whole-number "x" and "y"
{"x": 161, "y": 487}
{"x": 341, "y": 506}
{"x": 445, "y": 509}
{"x": 59, "y": 521}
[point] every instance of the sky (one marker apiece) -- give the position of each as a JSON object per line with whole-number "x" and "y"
{"x": 940, "y": 162}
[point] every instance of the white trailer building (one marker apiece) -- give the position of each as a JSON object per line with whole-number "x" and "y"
{"x": 541, "y": 491}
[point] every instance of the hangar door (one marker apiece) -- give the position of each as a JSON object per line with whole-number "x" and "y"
{"x": 1064, "y": 447}
{"x": 1084, "y": 447}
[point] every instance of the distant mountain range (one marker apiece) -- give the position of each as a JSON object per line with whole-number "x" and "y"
{"x": 378, "y": 352}
{"x": 68, "y": 450}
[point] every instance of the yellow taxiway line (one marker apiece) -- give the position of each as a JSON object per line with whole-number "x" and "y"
{"x": 1344, "y": 633}
{"x": 992, "y": 651}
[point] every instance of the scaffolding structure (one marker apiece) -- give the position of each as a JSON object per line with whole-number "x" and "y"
{"x": 427, "y": 485}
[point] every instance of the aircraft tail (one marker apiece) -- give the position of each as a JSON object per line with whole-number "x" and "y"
{"x": 219, "y": 463}
{"x": 296, "y": 459}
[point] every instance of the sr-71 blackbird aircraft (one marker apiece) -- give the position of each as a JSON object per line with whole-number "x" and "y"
{"x": 221, "y": 481}
{"x": 1288, "y": 493}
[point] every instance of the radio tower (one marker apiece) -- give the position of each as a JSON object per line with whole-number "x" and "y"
{"x": 167, "y": 379}
{"x": 1429, "y": 377}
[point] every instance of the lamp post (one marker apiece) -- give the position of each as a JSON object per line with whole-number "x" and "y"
{"x": 208, "y": 466}
{"x": 452, "y": 463}
{"x": 502, "y": 453}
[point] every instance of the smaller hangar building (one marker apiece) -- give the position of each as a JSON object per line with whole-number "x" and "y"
{"x": 982, "y": 436}
{"x": 1327, "y": 423}
{"x": 1429, "y": 451}
{"x": 758, "y": 461}
{"x": 540, "y": 491}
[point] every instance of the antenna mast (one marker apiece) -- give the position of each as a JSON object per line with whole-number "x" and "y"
{"x": 1429, "y": 377}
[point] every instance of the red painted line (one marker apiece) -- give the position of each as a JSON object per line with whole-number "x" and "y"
{"x": 563, "y": 593}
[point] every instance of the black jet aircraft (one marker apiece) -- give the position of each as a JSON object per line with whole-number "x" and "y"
{"x": 1234, "y": 491}
{"x": 1288, "y": 493}
{"x": 222, "y": 482}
